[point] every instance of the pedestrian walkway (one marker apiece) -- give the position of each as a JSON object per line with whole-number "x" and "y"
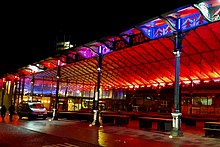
{"x": 113, "y": 136}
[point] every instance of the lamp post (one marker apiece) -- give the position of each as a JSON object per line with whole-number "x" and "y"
{"x": 97, "y": 92}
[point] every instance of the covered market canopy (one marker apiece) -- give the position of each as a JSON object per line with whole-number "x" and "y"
{"x": 143, "y": 55}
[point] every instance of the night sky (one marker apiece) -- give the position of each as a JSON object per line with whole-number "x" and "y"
{"x": 28, "y": 30}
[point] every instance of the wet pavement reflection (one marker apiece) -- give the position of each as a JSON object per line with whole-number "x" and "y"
{"x": 112, "y": 136}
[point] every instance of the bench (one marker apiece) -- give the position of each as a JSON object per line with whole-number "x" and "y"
{"x": 69, "y": 115}
{"x": 156, "y": 114}
{"x": 86, "y": 116}
{"x": 163, "y": 124}
{"x": 133, "y": 115}
{"x": 115, "y": 119}
{"x": 193, "y": 120}
{"x": 212, "y": 129}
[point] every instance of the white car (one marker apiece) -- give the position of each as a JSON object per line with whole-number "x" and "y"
{"x": 32, "y": 110}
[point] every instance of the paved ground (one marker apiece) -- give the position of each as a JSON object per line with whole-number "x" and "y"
{"x": 14, "y": 136}
{"x": 113, "y": 136}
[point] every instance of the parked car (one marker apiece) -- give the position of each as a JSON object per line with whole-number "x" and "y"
{"x": 32, "y": 110}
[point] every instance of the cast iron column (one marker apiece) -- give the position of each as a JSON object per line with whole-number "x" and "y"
{"x": 176, "y": 132}
{"x": 32, "y": 88}
{"x": 22, "y": 90}
{"x": 55, "y": 109}
{"x": 15, "y": 90}
{"x": 3, "y": 90}
{"x": 97, "y": 92}
{"x": 19, "y": 90}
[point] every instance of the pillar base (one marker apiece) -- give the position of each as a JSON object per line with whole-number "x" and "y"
{"x": 96, "y": 119}
{"x": 54, "y": 115}
{"x": 176, "y": 133}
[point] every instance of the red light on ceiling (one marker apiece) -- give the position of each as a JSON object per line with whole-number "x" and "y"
{"x": 48, "y": 65}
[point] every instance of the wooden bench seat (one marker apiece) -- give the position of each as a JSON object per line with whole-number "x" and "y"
{"x": 115, "y": 119}
{"x": 212, "y": 129}
{"x": 193, "y": 120}
{"x": 86, "y": 116}
{"x": 133, "y": 115}
{"x": 163, "y": 124}
{"x": 67, "y": 114}
{"x": 209, "y": 132}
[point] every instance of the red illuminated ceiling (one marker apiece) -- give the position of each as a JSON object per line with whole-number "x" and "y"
{"x": 151, "y": 62}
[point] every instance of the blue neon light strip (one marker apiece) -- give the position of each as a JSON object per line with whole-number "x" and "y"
{"x": 179, "y": 24}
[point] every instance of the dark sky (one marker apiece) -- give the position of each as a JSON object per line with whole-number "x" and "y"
{"x": 28, "y": 30}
